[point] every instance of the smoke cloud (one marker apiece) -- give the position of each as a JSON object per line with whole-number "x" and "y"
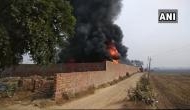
{"x": 95, "y": 30}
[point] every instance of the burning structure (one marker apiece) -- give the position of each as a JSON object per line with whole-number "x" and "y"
{"x": 96, "y": 38}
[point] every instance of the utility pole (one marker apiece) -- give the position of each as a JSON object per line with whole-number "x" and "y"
{"x": 149, "y": 66}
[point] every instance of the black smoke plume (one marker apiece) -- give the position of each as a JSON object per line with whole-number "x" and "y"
{"x": 95, "y": 29}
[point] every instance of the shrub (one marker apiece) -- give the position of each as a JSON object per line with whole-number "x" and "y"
{"x": 143, "y": 92}
{"x": 68, "y": 95}
{"x": 103, "y": 85}
{"x": 9, "y": 90}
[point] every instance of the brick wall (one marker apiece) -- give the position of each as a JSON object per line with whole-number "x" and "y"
{"x": 70, "y": 77}
{"x": 35, "y": 83}
{"x": 80, "y": 81}
{"x": 26, "y": 70}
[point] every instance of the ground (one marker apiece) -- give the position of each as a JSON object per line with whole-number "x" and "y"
{"x": 173, "y": 90}
{"x": 112, "y": 97}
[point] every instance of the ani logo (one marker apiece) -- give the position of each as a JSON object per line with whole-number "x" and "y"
{"x": 167, "y": 16}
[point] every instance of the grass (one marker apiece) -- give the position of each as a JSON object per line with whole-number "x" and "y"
{"x": 115, "y": 81}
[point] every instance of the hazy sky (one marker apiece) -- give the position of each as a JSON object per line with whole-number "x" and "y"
{"x": 168, "y": 44}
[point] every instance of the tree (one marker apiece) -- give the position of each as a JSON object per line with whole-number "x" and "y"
{"x": 137, "y": 63}
{"x": 34, "y": 26}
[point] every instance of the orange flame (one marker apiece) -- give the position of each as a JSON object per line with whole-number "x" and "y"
{"x": 115, "y": 61}
{"x": 113, "y": 52}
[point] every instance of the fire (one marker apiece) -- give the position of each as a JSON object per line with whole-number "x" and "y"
{"x": 113, "y": 52}
{"x": 115, "y": 61}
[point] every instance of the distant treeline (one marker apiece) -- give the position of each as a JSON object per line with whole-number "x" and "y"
{"x": 172, "y": 71}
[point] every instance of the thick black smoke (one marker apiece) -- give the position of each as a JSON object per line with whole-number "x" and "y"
{"x": 95, "y": 29}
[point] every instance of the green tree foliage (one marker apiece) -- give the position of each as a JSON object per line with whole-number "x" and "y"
{"x": 35, "y": 26}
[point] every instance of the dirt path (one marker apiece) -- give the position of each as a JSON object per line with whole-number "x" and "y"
{"x": 112, "y": 97}
{"x": 108, "y": 98}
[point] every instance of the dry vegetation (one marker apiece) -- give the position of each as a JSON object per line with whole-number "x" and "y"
{"x": 163, "y": 91}
{"x": 173, "y": 90}
{"x": 143, "y": 95}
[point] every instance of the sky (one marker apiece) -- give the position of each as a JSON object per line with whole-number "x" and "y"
{"x": 167, "y": 44}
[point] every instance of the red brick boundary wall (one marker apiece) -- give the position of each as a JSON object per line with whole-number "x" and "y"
{"x": 68, "y": 78}
{"x": 80, "y": 81}
{"x": 26, "y": 70}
